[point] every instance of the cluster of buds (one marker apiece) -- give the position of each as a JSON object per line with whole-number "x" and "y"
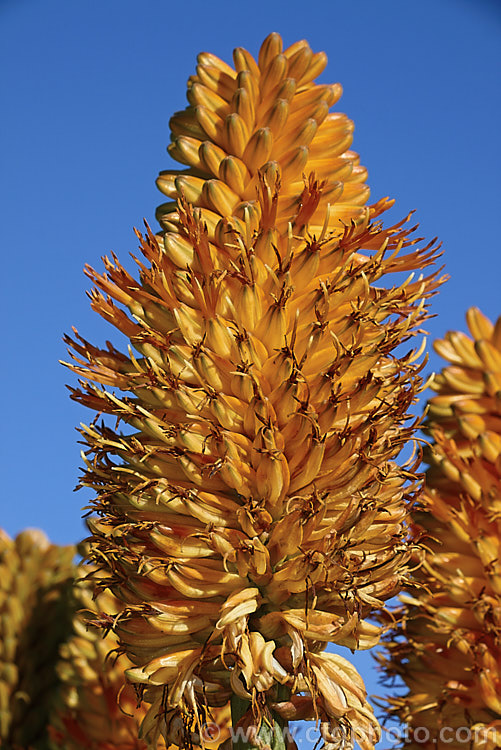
{"x": 249, "y": 507}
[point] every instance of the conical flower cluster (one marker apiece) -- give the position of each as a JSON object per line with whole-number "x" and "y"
{"x": 450, "y": 659}
{"x": 35, "y": 618}
{"x": 249, "y": 507}
{"x": 265, "y": 118}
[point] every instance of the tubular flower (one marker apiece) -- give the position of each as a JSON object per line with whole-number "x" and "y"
{"x": 251, "y": 511}
{"x": 35, "y": 596}
{"x": 451, "y": 661}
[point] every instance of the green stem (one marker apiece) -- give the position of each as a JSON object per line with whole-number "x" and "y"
{"x": 239, "y": 707}
{"x": 273, "y": 735}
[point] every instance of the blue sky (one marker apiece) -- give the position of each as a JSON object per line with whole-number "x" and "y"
{"x": 87, "y": 89}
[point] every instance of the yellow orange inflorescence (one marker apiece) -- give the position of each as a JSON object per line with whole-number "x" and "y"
{"x": 450, "y": 658}
{"x": 250, "y": 510}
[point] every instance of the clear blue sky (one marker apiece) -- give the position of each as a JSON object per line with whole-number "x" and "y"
{"x": 87, "y": 89}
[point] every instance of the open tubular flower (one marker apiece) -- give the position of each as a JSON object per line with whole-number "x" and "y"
{"x": 35, "y": 618}
{"x": 451, "y": 660}
{"x": 251, "y": 510}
